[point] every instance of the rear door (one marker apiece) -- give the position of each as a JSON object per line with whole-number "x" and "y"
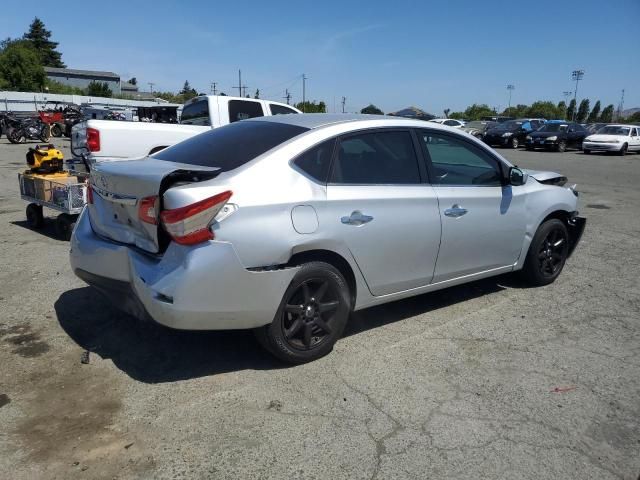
{"x": 634, "y": 141}
{"x": 483, "y": 222}
{"x": 379, "y": 203}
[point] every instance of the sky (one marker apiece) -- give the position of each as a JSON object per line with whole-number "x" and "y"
{"x": 430, "y": 54}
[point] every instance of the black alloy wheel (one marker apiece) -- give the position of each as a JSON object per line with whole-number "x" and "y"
{"x": 311, "y": 317}
{"x": 547, "y": 253}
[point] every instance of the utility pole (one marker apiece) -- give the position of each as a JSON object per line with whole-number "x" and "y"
{"x": 304, "y": 91}
{"x": 151, "y": 84}
{"x": 214, "y": 91}
{"x": 620, "y": 106}
{"x": 287, "y": 95}
{"x": 344, "y": 100}
{"x": 576, "y": 75}
{"x": 566, "y": 96}
{"x": 511, "y": 88}
{"x": 239, "y": 87}
{"x": 244, "y": 91}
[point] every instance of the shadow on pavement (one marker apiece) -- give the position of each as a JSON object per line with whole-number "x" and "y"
{"x": 151, "y": 353}
{"x": 48, "y": 228}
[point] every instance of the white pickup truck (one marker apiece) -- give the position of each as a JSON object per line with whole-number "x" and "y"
{"x": 114, "y": 140}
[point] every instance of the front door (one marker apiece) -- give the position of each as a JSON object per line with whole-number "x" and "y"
{"x": 384, "y": 211}
{"x": 483, "y": 221}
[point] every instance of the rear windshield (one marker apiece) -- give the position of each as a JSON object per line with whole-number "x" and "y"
{"x": 230, "y": 146}
{"x": 554, "y": 127}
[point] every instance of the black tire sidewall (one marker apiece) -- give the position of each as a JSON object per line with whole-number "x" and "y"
{"x": 531, "y": 272}
{"x": 34, "y": 216}
{"x": 271, "y": 336}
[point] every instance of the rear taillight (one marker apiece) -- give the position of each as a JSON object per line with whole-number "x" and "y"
{"x": 148, "y": 210}
{"x": 190, "y": 225}
{"x": 93, "y": 140}
{"x": 89, "y": 193}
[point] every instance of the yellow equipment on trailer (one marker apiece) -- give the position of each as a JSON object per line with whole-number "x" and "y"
{"x": 46, "y": 184}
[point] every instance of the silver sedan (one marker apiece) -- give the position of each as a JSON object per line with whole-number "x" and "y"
{"x": 287, "y": 224}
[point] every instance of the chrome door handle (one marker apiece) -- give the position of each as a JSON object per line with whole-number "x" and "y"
{"x": 356, "y": 218}
{"x": 455, "y": 211}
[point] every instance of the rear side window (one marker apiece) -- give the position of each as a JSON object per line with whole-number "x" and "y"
{"x": 316, "y": 161}
{"x": 243, "y": 109}
{"x": 196, "y": 113}
{"x": 280, "y": 109}
{"x": 230, "y": 146}
{"x": 451, "y": 123}
{"x": 376, "y": 158}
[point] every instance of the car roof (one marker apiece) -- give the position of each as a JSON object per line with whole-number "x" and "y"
{"x": 319, "y": 120}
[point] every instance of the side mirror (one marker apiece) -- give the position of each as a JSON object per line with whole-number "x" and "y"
{"x": 517, "y": 177}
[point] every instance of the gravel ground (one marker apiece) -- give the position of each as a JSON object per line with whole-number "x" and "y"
{"x": 456, "y": 384}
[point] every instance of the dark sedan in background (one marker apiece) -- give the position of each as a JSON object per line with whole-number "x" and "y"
{"x": 512, "y": 133}
{"x": 558, "y": 136}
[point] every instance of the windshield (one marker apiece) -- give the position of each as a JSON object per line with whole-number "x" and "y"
{"x": 612, "y": 130}
{"x": 554, "y": 127}
{"x": 230, "y": 146}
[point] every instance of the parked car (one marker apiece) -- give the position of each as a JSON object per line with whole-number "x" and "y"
{"x": 512, "y": 133}
{"x": 107, "y": 140}
{"x": 498, "y": 119}
{"x": 478, "y": 128}
{"x": 287, "y": 224}
{"x": 614, "y": 138}
{"x": 449, "y": 122}
{"x": 557, "y": 135}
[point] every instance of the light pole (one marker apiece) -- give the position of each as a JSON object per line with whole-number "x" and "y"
{"x": 576, "y": 75}
{"x": 511, "y": 88}
{"x": 566, "y": 96}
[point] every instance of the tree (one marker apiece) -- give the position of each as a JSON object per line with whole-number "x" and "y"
{"x": 583, "y": 111}
{"x": 20, "y": 67}
{"x": 634, "y": 118}
{"x": 257, "y": 95}
{"x": 133, "y": 81}
{"x": 187, "y": 92}
{"x": 607, "y": 114}
{"x": 457, "y": 116}
{"x": 99, "y": 89}
{"x": 562, "y": 109}
{"x": 52, "y": 86}
{"x": 595, "y": 113}
{"x": 312, "y": 107}
{"x": 572, "y": 109}
{"x": 544, "y": 109}
{"x": 519, "y": 110}
{"x": 372, "y": 110}
{"x": 476, "y": 112}
{"x": 39, "y": 37}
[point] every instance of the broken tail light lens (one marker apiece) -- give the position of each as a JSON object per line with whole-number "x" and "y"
{"x": 189, "y": 225}
{"x": 148, "y": 210}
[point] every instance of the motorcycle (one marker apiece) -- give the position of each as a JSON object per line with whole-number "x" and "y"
{"x": 29, "y": 129}
{"x": 8, "y": 121}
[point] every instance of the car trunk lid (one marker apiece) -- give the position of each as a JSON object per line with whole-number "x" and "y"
{"x": 120, "y": 189}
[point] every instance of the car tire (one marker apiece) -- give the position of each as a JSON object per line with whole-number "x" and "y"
{"x": 514, "y": 143}
{"x": 586, "y": 151}
{"x": 623, "y": 150}
{"x": 35, "y": 219}
{"x": 562, "y": 146}
{"x": 311, "y": 317}
{"x": 56, "y": 130}
{"x": 547, "y": 253}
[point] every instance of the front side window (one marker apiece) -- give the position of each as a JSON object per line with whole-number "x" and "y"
{"x": 382, "y": 158}
{"x": 280, "y": 109}
{"x": 243, "y": 109}
{"x": 316, "y": 161}
{"x": 456, "y": 162}
{"x": 196, "y": 113}
{"x": 451, "y": 123}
